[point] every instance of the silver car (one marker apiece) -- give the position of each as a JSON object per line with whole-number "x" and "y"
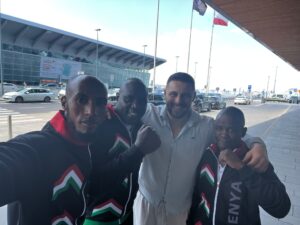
{"x": 242, "y": 99}
{"x": 29, "y": 95}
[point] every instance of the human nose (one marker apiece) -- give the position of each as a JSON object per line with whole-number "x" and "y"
{"x": 134, "y": 104}
{"x": 89, "y": 108}
{"x": 178, "y": 99}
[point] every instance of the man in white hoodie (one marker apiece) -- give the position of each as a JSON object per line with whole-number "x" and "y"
{"x": 167, "y": 176}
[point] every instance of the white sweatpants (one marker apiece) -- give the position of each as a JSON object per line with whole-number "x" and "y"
{"x": 146, "y": 214}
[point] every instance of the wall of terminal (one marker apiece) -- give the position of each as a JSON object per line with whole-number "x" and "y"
{"x": 32, "y": 66}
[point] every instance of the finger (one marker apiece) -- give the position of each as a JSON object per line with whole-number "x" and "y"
{"x": 221, "y": 157}
{"x": 143, "y": 127}
{"x": 247, "y": 158}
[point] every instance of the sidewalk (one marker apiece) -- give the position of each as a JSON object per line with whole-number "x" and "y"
{"x": 283, "y": 141}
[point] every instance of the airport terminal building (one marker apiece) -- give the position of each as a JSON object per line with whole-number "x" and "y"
{"x": 34, "y": 53}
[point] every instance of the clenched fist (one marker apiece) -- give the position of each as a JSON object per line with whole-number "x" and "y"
{"x": 229, "y": 158}
{"x": 147, "y": 140}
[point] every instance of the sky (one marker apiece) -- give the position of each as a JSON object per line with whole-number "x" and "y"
{"x": 237, "y": 60}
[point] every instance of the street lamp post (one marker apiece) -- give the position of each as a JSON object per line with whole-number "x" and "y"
{"x": 97, "y": 51}
{"x": 144, "y": 46}
{"x": 267, "y": 86}
{"x": 177, "y": 56}
{"x": 1, "y": 70}
{"x": 195, "y": 71}
{"x": 275, "y": 80}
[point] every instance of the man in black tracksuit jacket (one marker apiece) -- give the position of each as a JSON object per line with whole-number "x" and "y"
{"x": 119, "y": 134}
{"x": 229, "y": 192}
{"x": 50, "y": 172}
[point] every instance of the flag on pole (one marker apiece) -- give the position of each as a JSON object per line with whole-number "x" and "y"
{"x": 220, "y": 20}
{"x": 199, "y": 6}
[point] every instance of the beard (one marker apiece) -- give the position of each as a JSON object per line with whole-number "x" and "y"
{"x": 177, "y": 111}
{"x": 87, "y": 136}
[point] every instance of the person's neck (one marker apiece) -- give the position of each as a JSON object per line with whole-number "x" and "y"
{"x": 177, "y": 123}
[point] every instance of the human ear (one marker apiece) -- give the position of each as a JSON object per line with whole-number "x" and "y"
{"x": 244, "y": 131}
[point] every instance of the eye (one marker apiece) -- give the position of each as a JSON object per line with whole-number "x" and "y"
{"x": 82, "y": 99}
{"x": 127, "y": 99}
{"x": 172, "y": 94}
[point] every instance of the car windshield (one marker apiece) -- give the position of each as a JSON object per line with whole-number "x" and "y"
{"x": 22, "y": 90}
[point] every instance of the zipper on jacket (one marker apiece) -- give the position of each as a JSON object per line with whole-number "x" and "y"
{"x": 129, "y": 196}
{"x": 84, "y": 186}
{"x": 217, "y": 190}
{"x": 130, "y": 175}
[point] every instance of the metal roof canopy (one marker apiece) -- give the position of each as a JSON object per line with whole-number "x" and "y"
{"x": 274, "y": 23}
{"x": 24, "y": 33}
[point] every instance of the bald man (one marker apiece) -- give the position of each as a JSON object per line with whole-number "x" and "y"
{"x": 120, "y": 136}
{"x": 47, "y": 171}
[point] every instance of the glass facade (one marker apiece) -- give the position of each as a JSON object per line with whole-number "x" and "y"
{"x": 21, "y": 65}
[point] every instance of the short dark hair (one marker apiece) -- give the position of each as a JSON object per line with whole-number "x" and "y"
{"x": 183, "y": 77}
{"x": 236, "y": 114}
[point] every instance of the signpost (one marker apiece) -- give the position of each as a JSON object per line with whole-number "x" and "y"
{"x": 249, "y": 88}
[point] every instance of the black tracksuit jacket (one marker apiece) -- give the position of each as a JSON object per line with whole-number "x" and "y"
{"x": 116, "y": 201}
{"x": 236, "y": 197}
{"x": 51, "y": 175}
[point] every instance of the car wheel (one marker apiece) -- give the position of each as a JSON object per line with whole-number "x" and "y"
{"x": 19, "y": 99}
{"x": 47, "y": 99}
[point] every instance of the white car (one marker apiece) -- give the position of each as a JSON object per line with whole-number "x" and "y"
{"x": 242, "y": 99}
{"x": 29, "y": 95}
{"x": 9, "y": 87}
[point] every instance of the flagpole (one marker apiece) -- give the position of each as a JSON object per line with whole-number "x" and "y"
{"x": 189, "y": 48}
{"x": 155, "y": 48}
{"x": 210, "y": 48}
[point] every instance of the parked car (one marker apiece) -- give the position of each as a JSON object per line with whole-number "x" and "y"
{"x": 50, "y": 85}
{"x": 112, "y": 100}
{"x": 242, "y": 99}
{"x": 156, "y": 99}
{"x": 294, "y": 99}
{"x": 201, "y": 103}
{"x": 217, "y": 102}
{"x": 29, "y": 95}
{"x": 277, "y": 98}
{"x": 9, "y": 87}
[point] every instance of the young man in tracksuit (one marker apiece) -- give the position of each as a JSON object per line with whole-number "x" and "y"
{"x": 115, "y": 207}
{"x": 47, "y": 171}
{"x": 50, "y": 172}
{"x": 229, "y": 192}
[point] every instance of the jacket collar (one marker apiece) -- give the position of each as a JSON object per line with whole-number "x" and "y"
{"x": 59, "y": 123}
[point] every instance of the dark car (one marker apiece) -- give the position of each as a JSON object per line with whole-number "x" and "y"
{"x": 201, "y": 103}
{"x": 217, "y": 102}
{"x": 156, "y": 99}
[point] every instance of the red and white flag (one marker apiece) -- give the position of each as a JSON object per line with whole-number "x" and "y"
{"x": 220, "y": 20}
